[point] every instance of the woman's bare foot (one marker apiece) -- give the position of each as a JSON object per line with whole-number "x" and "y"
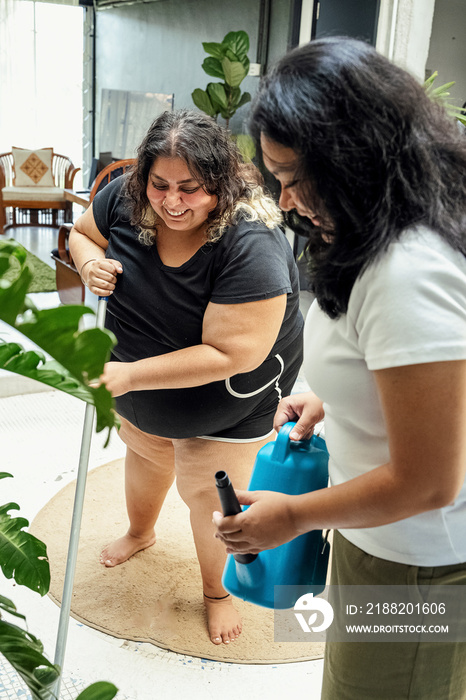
{"x": 223, "y": 621}
{"x": 122, "y": 549}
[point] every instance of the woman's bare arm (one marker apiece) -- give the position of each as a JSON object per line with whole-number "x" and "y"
{"x": 236, "y": 338}
{"x": 425, "y": 413}
{"x": 88, "y": 246}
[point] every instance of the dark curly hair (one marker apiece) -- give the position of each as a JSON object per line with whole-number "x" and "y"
{"x": 212, "y": 158}
{"x": 375, "y": 156}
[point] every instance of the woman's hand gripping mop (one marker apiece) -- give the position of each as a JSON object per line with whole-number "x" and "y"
{"x": 274, "y": 578}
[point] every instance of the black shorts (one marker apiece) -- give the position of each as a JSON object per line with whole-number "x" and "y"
{"x": 241, "y": 408}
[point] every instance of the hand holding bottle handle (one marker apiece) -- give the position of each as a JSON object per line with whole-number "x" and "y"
{"x": 305, "y": 409}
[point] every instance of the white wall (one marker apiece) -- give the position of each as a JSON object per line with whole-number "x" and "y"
{"x": 157, "y": 47}
{"x": 447, "y": 53}
{"x": 404, "y": 33}
{"x": 426, "y": 35}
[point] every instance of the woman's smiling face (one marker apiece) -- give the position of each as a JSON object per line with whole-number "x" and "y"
{"x": 176, "y": 196}
{"x": 282, "y": 163}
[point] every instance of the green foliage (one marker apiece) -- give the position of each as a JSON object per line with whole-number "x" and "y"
{"x": 21, "y": 554}
{"x": 24, "y": 557}
{"x": 78, "y": 356}
{"x": 99, "y": 691}
{"x": 441, "y": 94}
{"x": 227, "y": 60}
{"x": 25, "y": 654}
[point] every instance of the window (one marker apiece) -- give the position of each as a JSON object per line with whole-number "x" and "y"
{"x": 41, "y": 64}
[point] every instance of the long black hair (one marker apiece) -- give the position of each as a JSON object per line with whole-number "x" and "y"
{"x": 375, "y": 155}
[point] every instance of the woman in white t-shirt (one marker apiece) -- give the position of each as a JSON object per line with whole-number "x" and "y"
{"x": 379, "y": 173}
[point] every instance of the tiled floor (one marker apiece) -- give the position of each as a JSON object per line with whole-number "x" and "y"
{"x": 40, "y": 434}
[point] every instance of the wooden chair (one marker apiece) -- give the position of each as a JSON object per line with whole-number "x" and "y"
{"x": 70, "y": 288}
{"x": 35, "y": 206}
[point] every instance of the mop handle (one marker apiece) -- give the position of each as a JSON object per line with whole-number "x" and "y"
{"x": 65, "y": 608}
{"x": 230, "y": 506}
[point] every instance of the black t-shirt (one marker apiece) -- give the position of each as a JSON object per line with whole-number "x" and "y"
{"x": 156, "y": 309}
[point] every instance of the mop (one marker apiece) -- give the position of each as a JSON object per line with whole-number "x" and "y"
{"x": 65, "y": 609}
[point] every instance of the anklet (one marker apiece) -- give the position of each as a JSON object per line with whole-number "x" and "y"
{"x": 222, "y": 597}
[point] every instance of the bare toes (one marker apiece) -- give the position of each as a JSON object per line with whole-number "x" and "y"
{"x": 223, "y": 620}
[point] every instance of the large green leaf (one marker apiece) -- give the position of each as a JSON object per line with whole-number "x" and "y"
{"x": 99, "y": 691}
{"x": 232, "y": 56}
{"x": 238, "y": 42}
{"x": 202, "y": 101}
{"x": 234, "y": 96}
{"x": 82, "y": 353}
{"x": 245, "y": 98}
{"x": 235, "y": 72}
{"x": 213, "y": 67}
{"x": 9, "y": 607}
{"x": 32, "y": 364}
{"x": 218, "y": 96}
{"x": 25, "y": 653}
{"x": 214, "y": 49}
{"x": 78, "y": 356}
{"x": 22, "y": 555}
{"x": 13, "y": 295}
{"x": 244, "y": 60}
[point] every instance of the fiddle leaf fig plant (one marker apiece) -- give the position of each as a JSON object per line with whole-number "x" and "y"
{"x": 227, "y": 60}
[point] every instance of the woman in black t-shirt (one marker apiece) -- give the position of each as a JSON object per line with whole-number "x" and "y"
{"x": 204, "y": 303}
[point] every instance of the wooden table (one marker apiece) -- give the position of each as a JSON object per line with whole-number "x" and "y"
{"x": 81, "y": 198}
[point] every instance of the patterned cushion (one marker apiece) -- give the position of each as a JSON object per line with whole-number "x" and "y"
{"x": 32, "y": 168}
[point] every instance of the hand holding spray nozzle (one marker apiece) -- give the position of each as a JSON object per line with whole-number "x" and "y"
{"x": 230, "y": 506}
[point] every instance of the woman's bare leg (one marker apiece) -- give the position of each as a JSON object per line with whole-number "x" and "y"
{"x": 196, "y": 461}
{"x": 149, "y": 473}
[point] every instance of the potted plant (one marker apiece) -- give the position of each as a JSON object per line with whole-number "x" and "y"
{"x": 441, "y": 94}
{"x": 227, "y": 60}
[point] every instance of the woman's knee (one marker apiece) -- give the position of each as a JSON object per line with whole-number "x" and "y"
{"x": 197, "y": 460}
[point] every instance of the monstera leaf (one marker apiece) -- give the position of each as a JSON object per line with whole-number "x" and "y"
{"x": 77, "y": 356}
{"x": 25, "y": 654}
{"x": 22, "y": 555}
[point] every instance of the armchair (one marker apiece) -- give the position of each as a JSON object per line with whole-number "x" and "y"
{"x": 32, "y": 185}
{"x": 70, "y": 288}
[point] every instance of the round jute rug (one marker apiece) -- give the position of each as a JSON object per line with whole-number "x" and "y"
{"x": 156, "y": 596}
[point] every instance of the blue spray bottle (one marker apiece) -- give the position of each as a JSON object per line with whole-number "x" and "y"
{"x": 270, "y": 578}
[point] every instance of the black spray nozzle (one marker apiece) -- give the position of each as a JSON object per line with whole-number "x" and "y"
{"x": 230, "y": 506}
{"x": 222, "y": 480}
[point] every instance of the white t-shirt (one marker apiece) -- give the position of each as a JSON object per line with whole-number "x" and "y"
{"x": 407, "y": 308}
